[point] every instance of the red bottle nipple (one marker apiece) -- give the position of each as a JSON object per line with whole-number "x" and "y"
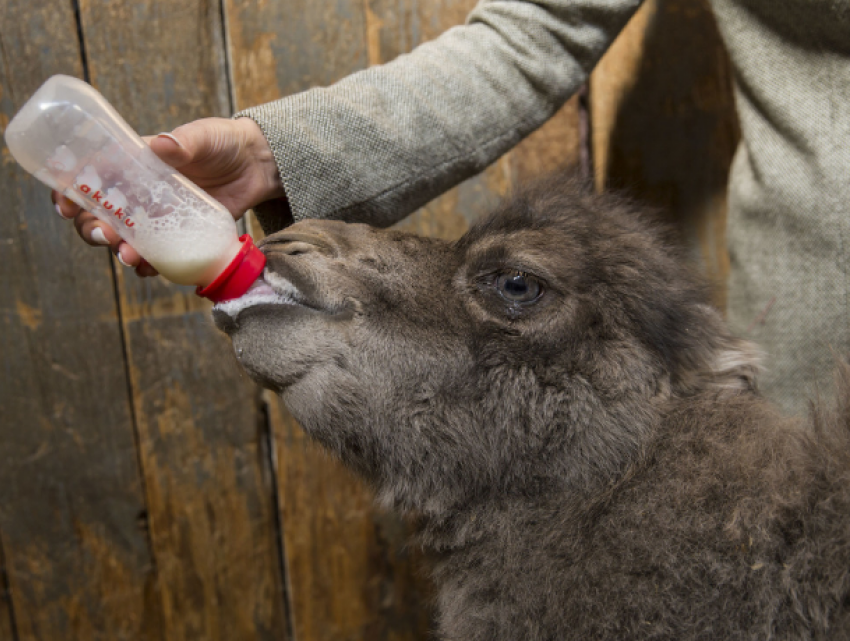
{"x": 238, "y": 276}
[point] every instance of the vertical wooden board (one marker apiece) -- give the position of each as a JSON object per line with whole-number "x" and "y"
{"x": 664, "y": 123}
{"x": 209, "y": 493}
{"x": 6, "y": 630}
{"x": 210, "y": 501}
{"x": 162, "y": 62}
{"x": 355, "y": 574}
{"x": 7, "y": 625}
{"x": 77, "y": 564}
{"x": 6, "y": 633}
{"x": 556, "y": 145}
{"x": 280, "y": 48}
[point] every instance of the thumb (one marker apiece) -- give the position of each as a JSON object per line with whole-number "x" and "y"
{"x": 170, "y": 149}
{"x": 192, "y": 142}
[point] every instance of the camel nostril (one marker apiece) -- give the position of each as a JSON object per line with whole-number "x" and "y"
{"x": 297, "y": 244}
{"x": 297, "y": 248}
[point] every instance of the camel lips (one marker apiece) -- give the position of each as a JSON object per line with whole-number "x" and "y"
{"x": 262, "y": 293}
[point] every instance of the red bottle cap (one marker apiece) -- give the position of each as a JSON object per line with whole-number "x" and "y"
{"x": 238, "y": 276}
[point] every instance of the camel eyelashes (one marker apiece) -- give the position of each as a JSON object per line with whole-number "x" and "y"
{"x": 518, "y": 287}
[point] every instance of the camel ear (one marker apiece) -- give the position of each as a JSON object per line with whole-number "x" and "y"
{"x": 701, "y": 353}
{"x": 736, "y": 365}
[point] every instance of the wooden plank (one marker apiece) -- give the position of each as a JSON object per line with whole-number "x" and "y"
{"x": 78, "y": 566}
{"x": 210, "y": 503}
{"x": 664, "y": 123}
{"x": 351, "y": 572}
{"x": 7, "y": 622}
{"x": 279, "y": 48}
{"x": 556, "y": 145}
{"x": 354, "y": 574}
{"x": 6, "y": 631}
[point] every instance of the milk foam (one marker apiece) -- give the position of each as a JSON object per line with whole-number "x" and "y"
{"x": 188, "y": 238}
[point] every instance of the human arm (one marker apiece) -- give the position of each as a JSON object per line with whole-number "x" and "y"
{"x": 384, "y": 141}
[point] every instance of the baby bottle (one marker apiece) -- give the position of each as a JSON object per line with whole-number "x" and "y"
{"x": 71, "y": 139}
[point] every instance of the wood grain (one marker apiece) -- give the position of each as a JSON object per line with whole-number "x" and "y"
{"x": 556, "y": 145}
{"x": 664, "y": 123}
{"x": 280, "y": 48}
{"x": 210, "y": 507}
{"x": 78, "y": 566}
{"x": 7, "y": 621}
{"x": 354, "y": 574}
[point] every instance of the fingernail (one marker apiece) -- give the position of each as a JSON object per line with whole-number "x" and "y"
{"x": 59, "y": 211}
{"x": 171, "y": 137}
{"x": 99, "y": 237}
{"x": 121, "y": 260}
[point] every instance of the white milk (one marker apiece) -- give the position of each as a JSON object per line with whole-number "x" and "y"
{"x": 177, "y": 231}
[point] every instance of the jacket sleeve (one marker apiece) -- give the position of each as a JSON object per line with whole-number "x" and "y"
{"x": 382, "y": 142}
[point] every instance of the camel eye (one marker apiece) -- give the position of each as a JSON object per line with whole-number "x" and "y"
{"x": 517, "y": 287}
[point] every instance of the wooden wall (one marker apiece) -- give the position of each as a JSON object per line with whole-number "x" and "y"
{"x": 148, "y": 490}
{"x": 663, "y": 123}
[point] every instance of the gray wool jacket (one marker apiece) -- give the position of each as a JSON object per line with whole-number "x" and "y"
{"x": 380, "y": 143}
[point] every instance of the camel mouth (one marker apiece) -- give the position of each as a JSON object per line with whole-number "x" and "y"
{"x": 269, "y": 289}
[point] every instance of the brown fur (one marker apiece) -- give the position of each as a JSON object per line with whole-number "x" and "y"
{"x": 592, "y": 464}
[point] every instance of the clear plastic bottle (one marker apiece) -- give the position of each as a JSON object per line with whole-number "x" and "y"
{"x": 69, "y": 137}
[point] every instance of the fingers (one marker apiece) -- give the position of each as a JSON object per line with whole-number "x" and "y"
{"x": 230, "y": 159}
{"x": 94, "y": 232}
{"x": 170, "y": 149}
{"x": 64, "y": 207}
{"x": 195, "y": 141}
{"x": 90, "y": 229}
{"x": 97, "y": 234}
{"x": 127, "y": 256}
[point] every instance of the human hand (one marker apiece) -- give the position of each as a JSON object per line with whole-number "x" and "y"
{"x": 229, "y": 159}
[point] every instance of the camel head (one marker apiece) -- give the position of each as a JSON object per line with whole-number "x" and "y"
{"x": 539, "y": 349}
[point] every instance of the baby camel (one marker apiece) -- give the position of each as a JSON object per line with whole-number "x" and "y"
{"x": 574, "y": 427}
